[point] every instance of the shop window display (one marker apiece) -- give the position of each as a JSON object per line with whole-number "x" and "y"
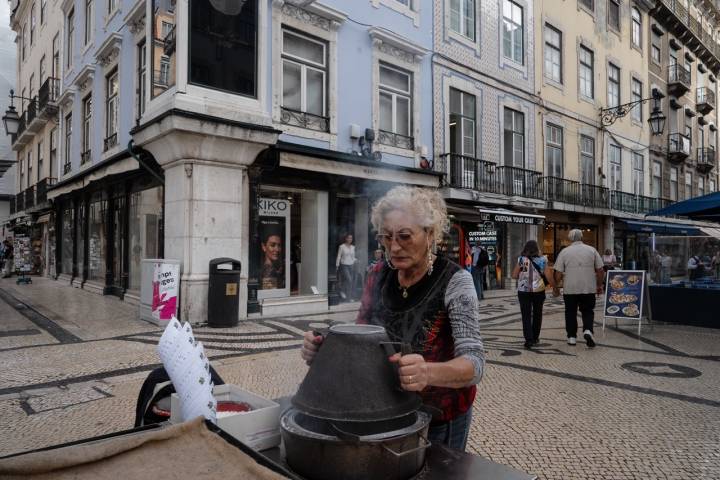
{"x": 145, "y": 214}
{"x": 66, "y": 239}
{"x": 81, "y": 221}
{"x": 97, "y": 241}
{"x": 555, "y": 237}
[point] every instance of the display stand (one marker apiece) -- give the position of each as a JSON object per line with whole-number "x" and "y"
{"x": 23, "y": 278}
{"x": 625, "y": 295}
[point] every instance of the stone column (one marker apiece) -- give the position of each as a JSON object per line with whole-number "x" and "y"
{"x": 206, "y": 197}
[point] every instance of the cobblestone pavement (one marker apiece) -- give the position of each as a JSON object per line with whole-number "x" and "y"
{"x": 635, "y": 407}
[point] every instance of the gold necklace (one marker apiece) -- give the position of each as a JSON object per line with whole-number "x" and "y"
{"x": 404, "y": 290}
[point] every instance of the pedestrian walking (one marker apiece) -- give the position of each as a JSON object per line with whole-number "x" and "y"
{"x": 479, "y": 264}
{"x": 345, "y": 264}
{"x": 8, "y": 257}
{"x": 580, "y": 268}
{"x": 533, "y": 276}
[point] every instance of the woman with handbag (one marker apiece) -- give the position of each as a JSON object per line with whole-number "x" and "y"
{"x": 534, "y": 276}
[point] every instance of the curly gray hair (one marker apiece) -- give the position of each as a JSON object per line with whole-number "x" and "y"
{"x": 425, "y": 205}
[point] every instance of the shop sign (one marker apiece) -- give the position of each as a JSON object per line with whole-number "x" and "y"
{"x": 485, "y": 235}
{"x": 274, "y": 254}
{"x": 166, "y": 285}
{"x": 624, "y": 294}
{"x": 511, "y": 218}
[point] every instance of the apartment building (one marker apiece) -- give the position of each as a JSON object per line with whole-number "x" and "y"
{"x": 37, "y": 27}
{"x": 280, "y": 119}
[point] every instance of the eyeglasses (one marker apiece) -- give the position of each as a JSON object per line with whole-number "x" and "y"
{"x": 403, "y": 238}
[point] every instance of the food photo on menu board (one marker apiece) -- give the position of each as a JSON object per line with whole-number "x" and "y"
{"x": 624, "y": 295}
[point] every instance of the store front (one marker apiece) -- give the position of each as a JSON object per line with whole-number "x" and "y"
{"x": 308, "y": 200}
{"x": 633, "y": 240}
{"x": 558, "y": 226}
{"x": 105, "y": 229}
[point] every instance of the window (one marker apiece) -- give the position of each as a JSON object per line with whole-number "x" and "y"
{"x": 111, "y": 110}
{"x": 636, "y": 37}
{"x": 637, "y": 96}
{"x": 587, "y": 160}
{"x": 112, "y": 6}
{"x": 231, "y": 35}
{"x": 39, "y": 159}
{"x": 688, "y": 185}
{"x": 165, "y": 28}
{"x": 462, "y": 17}
{"x": 141, "y": 79}
{"x": 701, "y": 186}
{"x": 656, "y": 181}
{"x": 395, "y": 100}
{"x": 29, "y": 167}
{"x": 31, "y": 85}
{"x": 23, "y": 34}
{"x": 589, "y": 4}
{"x": 33, "y": 24}
{"x": 514, "y": 138}
{"x": 305, "y": 76}
{"x": 164, "y": 78}
{"x": 56, "y": 56}
{"x": 88, "y": 21}
{"x": 615, "y": 157}
{"x": 638, "y": 173}
{"x": 655, "y": 50}
{"x": 53, "y": 152}
{"x": 553, "y": 54}
{"x": 656, "y": 54}
{"x": 673, "y": 184}
{"x": 613, "y": 85}
{"x": 43, "y": 5}
{"x": 712, "y": 187}
{"x": 86, "y": 129}
{"x": 554, "y": 151}
{"x": 613, "y": 14}
{"x": 68, "y": 141}
{"x": 586, "y": 73}
{"x": 513, "y": 31}
{"x": 688, "y": 67}
{"x": 69, "y": 40}
{"x": 42, "y": 70}
{"x": 462, "y": 123}
{"x": 22, "y": 172}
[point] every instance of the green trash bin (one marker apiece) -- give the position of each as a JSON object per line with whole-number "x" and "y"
{"x": 223, "y": 292}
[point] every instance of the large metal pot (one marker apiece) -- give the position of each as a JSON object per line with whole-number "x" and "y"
{"x": 351, "y": 378}
{"x": 321, "y": 449}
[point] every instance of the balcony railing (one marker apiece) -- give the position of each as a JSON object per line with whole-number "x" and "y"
{"x": 678, "y": 147}
{"x": 632, "y": 203}
{"x": 12, "y": 205}
{"x": 678, "y": 79}
{"x": 395, "y": 140}
{"x": 66, "y": 168}
{"x": 561, "y": 190}
{"x": 483, "y": 176}
{"x": 41, "y": 189}
{"x": 169, "y": 42}
{"x": 110, "y": 142}
{"x": 304, "y": 120}
{"x": 594, "y": 196}
{"x": 692, "y": 25}
{"x": 705, "y": 100}
{"x": 31, "y": 112}
{"x": 706, "y": 159}
{"x": 85, "y": 157}
{"x": 48, "y": 94}
{"x": 29, "y": 197}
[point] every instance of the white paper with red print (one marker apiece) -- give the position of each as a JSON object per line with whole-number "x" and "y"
{"x": 166, "y": 282}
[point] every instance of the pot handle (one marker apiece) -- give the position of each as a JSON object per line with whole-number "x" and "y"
{"x": 405, "y": 349}
{"x": 412, "y": 450}
{"x": 343, "y": 435}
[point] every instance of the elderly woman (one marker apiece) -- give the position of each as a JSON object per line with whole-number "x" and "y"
{"x": 427, "y": 301}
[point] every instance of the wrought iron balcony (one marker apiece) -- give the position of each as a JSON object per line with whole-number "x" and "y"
{"x": 48, "y": 96}
{"x": 683, "y": 25}
{"x": 31, "y": 112}
{"x": 20, "y": 202}
{"x": 110, "y": 142}
{"x": 678, "y": 147}
{"x": 706, "y": 159}
{"x": 307, "y": 120}
{"x": 85, "y": 156}
{"x": 41, "y": 189}
{"x": 705, "y": 100}
{"x": 396, "y": 140}
{"x": 23, "y": 134}
{"x": 679, "y": 79}
{"x": 12, "y": 205}
{"x": 169, "y": 42}
{"x": 66, "y": 168}
{"x": 594, "y": 196}
{"x": 475, "y": 174}
{"x": 632, "y": 203}
{"x": 29, "y": 197}
{"x": 558, "y": 189}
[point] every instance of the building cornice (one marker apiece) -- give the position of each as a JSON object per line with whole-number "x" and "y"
{"x": 387, "y": 40}
{"x": 135, "y": 18}
{"x": 85, "y": 76}
{"x": 108, "y": 52}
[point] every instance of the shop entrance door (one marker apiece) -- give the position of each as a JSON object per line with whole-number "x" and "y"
{"x": 117, "y": 276}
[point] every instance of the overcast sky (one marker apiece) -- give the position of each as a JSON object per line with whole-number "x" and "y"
{"x": 7, "y": 45}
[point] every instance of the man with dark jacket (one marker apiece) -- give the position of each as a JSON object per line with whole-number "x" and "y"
{"x": 8, "y": 258}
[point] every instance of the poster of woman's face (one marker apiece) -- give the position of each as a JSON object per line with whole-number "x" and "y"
{"x": 272, "y": 253}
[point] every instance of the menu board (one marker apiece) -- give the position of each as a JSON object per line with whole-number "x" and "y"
{"x": 22, "y": 254}
{"x": 624, "y": 294}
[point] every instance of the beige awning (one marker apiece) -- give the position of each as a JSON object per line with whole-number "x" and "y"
{"x": 713, "y": 232}
{"x": 125, "y": 165}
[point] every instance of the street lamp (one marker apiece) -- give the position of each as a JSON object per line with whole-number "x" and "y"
{"x": 656, "y": 120}
{"x": 11, "y": 119}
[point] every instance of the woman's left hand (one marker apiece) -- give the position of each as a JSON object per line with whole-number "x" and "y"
{"x": 413, "y": 370}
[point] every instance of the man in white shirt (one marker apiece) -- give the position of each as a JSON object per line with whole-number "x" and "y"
{"x": 345, "y": 264}
{"x": 580, "y": 268}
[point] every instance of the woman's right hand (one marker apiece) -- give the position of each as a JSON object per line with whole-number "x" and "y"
{"x": 310, "y": 347}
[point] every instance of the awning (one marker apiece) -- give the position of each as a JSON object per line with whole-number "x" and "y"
{"x": 661, "y": 227}
{"x": 713, "y": 232}
{"x": 85, "y": 178}
{"x": 706, "y": 207}
{"x": 502, "y": 215}
{"x": 5, "y": 166}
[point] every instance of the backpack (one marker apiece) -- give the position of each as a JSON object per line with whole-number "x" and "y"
{"x": 484, "y": 258}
